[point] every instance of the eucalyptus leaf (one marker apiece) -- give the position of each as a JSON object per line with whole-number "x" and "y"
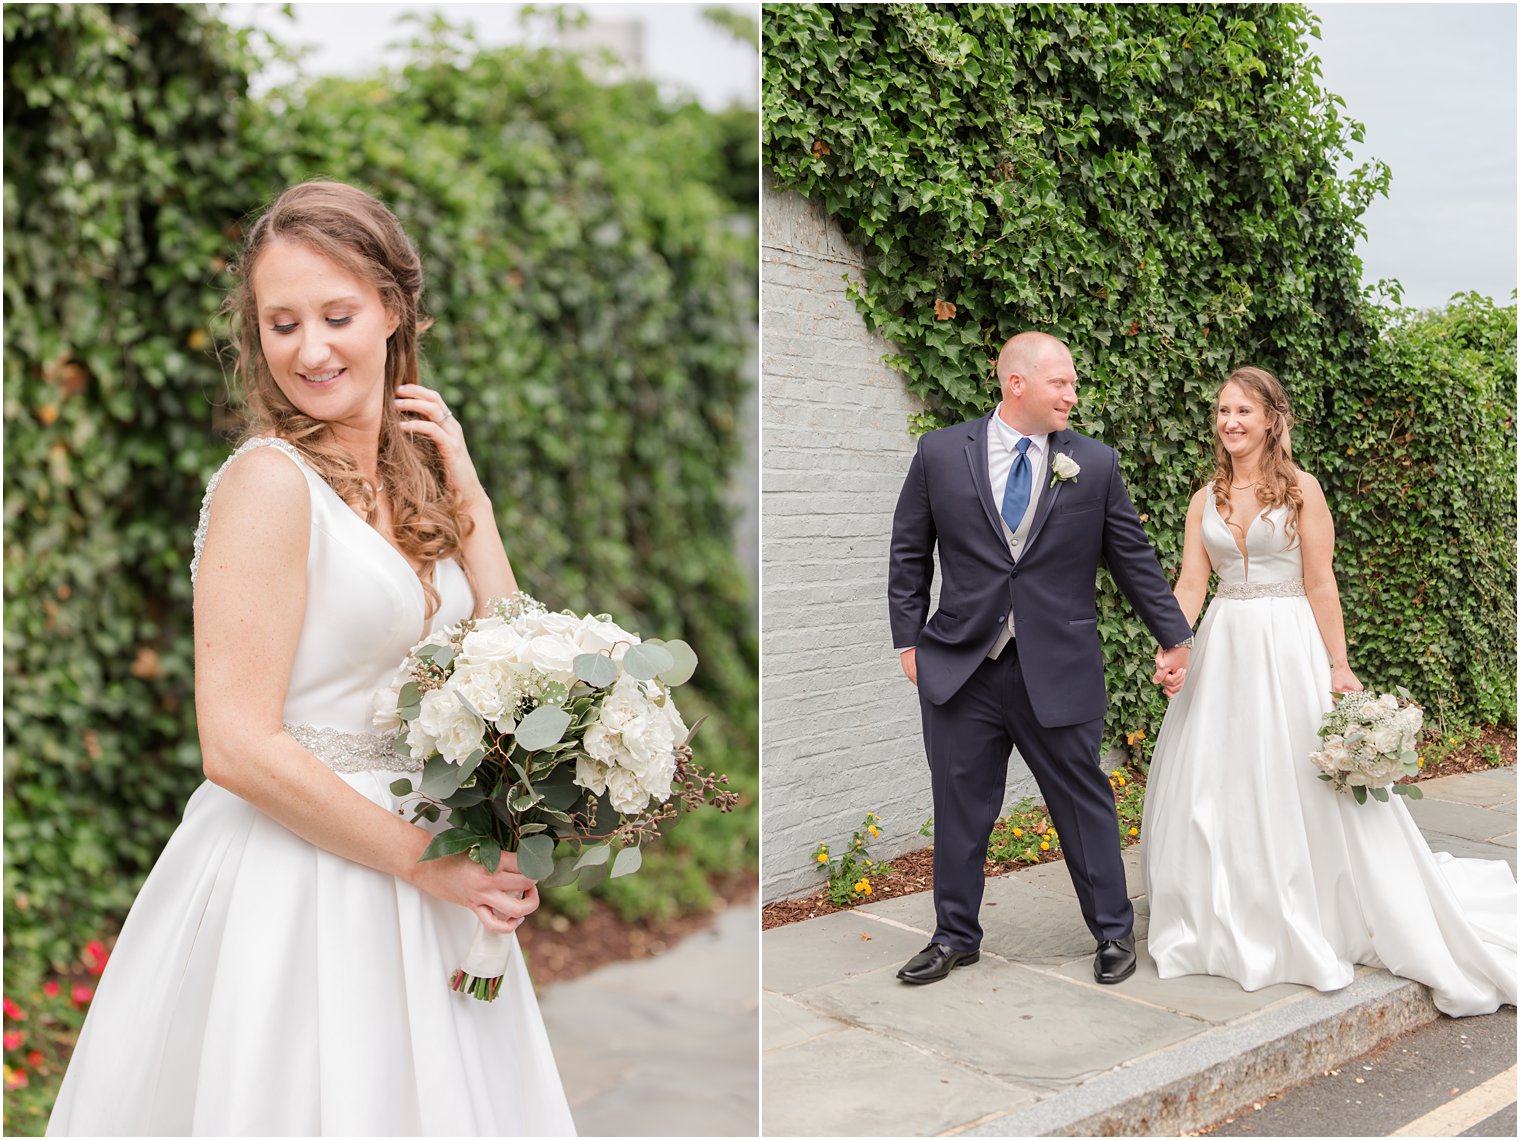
{"x": 1413, "y": 791}
{"x": 401, "y": 787}
{"x": 592, "y": 877}
{"x": 592, "y": 856}
{"x": 627, "y": 861}
{"x": 440, "y": 779}
{"x": 565, "y": 872}
{"x": 596, "y": 669}
{"x": 542, "y": 727}
{"x": 1359, "y": 794}
{"x": 684, "y": 664}
{"x": 1380, "y": 794}
{"x": 645, "y": 662}
{"x": 535, "y": 856}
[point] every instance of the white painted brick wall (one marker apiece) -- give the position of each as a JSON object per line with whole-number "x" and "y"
{"x": 840, "y": 727}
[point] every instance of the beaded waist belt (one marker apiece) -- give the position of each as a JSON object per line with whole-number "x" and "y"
{"x": 1241, "y": 591}
{"x": 353, "y": 751}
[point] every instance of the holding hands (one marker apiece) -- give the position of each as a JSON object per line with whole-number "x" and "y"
{"x": 1171, "y": 669}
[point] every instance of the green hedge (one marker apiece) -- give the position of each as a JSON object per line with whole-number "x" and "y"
{"x": 590, "y": 271}
{"x": 1157, "y": 185}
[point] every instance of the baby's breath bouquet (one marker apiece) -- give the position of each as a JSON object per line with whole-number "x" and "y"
{"x": 1369, "y": 742}
{"x": 537, "y": 729}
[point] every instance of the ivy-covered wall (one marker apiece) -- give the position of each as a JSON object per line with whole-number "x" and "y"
{"x": 1157, "y": 185}
{"x": 593, "y": 292}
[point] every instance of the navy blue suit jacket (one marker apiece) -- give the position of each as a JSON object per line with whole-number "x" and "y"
{"x": 946, "y": 501}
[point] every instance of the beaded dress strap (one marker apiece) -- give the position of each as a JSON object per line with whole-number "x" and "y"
{"x": 286, "y": 446}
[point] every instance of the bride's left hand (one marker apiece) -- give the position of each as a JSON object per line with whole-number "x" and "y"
{"x": 1343, "y": 680}
{"x": 432, "y": 418}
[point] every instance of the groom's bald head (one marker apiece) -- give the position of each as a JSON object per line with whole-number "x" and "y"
{"x": 1039, "y": 383}
{"x": 1025, "y": 353}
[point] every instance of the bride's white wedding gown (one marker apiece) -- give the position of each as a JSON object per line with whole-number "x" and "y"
{"x": 1259, "y": 871}
{"x": 263, "y": 986}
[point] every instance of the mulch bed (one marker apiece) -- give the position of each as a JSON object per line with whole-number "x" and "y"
{"x": 908, "y": 874}
{"x": 558, "y": 949}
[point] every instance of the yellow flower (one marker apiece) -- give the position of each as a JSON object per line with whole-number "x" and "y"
{"x": 1116, "y": 773}
{"x": 874, "y": 831}
{"x": 1122, "y": 781}
{"x": 1140, "y": 735}
{"x": 1134, "y": 831}
{"x": 1129, "y": 738}
{"x": 1050, "y": 833}
{"x": 822, "y": 857}
{"x": 1018, "y": 831}
{"x": 868, "y": 886}
{"x": 1044, "y": 846}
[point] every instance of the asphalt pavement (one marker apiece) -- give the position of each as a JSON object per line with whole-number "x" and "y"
{"x": 1025, "y": 1043}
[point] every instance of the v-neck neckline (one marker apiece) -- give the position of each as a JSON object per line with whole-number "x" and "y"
{"x": 411, "y": 574}
{"x": 1241, "y": 546}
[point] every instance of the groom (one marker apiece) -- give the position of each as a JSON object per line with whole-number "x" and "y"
{"x": 1021, "y": 509}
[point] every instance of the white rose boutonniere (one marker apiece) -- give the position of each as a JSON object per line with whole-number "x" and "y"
{"x": 1062, "y": 468}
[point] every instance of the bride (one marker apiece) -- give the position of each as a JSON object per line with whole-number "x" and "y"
{"x": 284, "y": 970}
{"x": 1255, "y": 869}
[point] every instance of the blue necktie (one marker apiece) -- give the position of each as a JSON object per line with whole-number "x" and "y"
{"x": 1016, "y": 496}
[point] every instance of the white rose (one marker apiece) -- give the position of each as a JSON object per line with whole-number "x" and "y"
{"x": 591, "y": 774}
{"x": 594, "y": 635}
{"x": 1065, "y": 467}
{"x": 1370, "y": 710}
{"x": 482, "y": 685}
{"x": 604, "y": 746}
{"x": 1389, "y": 701}
{"x": 554, "y": 655}
{"x": 463, "y": 735}
{"x": 419, "y": 741}
{"x": 386, "y": 718}
{"x": 1387, "y": 740}
{"x": 533, "y": 625}
{"x": 626, "y": 794}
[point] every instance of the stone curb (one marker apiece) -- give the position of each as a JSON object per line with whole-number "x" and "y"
{"x": 1198, "y": 1082}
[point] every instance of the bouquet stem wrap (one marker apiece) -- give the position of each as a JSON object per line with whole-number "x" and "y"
{"x": 484, "y": 964}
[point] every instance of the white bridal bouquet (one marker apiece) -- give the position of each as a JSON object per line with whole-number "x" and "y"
{"x": 536, "y": 729}
{"x": 1369, "y": 742}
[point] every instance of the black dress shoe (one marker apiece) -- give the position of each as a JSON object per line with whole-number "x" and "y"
{"x": 934, "y": 962}
{"x": 1115, "y": 960}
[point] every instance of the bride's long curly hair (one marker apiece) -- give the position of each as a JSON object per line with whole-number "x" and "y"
{"x": 1279, "y": 474}
{"x": 356, "y": 232}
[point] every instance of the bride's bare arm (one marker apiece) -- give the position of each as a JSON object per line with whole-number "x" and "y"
{"x": 1193, "y": 579}
{"x": 1316, "y": 535}
{"x": 250, "y": 600}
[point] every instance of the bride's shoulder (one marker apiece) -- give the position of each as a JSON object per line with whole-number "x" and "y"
{"x": 259, "y": 494}
{"x": 1308, "y": 485}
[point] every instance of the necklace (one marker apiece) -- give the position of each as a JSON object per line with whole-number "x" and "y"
{"x": 1243, "y": 486}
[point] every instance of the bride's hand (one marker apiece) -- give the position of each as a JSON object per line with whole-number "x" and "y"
{"x": 432, "y": 418}
{"x": 501, "y": 901}
{"x": 1343, "y": 680}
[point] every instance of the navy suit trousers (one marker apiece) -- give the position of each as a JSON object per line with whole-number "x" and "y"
{"x": 968, "y": 740}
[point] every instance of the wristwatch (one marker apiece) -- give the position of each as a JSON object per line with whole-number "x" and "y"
{"x": 1188, "y": 644}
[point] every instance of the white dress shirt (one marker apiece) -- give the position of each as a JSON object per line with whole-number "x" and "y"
{"x": 1001, "y": 441}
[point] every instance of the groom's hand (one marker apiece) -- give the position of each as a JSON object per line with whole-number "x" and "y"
{"x": 910, "y": 664}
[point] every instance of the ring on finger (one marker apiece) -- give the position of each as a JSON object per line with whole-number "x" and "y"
{"x": 447, "y": 416}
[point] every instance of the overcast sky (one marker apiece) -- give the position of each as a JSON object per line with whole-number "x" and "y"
{"x": 1435, "y": 86}
{"x": 1433, "y": 83}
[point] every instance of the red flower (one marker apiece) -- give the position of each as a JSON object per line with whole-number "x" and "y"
{"x": 96, "y": 953}
{"x": 81, "y": 995}
{"x": 13, "y": 1039}
{"x": 13, "y": 1010}
{"x": 15, "y": 1078}
{"x": 51, "y": 987}
{"x": 34, "y": 1058}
